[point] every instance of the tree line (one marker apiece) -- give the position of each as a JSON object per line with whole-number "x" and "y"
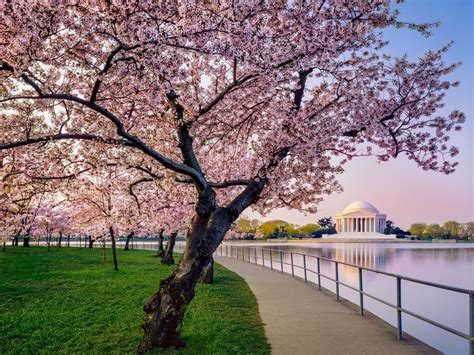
{"x": 246, "y": 228}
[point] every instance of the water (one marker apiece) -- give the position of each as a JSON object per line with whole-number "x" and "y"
{"x": 443, "y": 263}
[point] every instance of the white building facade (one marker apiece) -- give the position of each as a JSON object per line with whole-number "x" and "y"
{"x": 360, "y": 217}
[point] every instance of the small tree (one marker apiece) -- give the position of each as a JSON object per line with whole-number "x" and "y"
{"x": 417, "y": 229}
{"x": 326, "y": 223}
{"x": 467, "y": 230}
{"x": 433, "y": 230}
{"x": 451, "y": 229}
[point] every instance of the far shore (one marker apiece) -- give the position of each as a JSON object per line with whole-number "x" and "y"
{"x": 347, "y": 240}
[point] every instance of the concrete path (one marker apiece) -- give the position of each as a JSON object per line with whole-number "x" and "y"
{"x": 301, "y": 320}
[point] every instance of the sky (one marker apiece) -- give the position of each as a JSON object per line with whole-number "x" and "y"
{"x": 399, "y": 188}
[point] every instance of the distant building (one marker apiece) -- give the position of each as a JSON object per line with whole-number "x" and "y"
{"x": 360, "y": 217}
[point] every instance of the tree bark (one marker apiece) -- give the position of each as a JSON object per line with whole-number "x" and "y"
{"x": 91, "y": 242}
{"x": 68, "y": 240}
{"x": 26, "y": 241}
{"x": 168, "y": 256}
{"x": 15, "y": 241}
{"x": 161, "y": 251}
{"x": 60, "y": 240}
{"x": 4, "y": 247}
{"x": 127, "y": 242}
{"x": 114, "y": 249}
{"x": 48, "y": 240}
{"x": 165, "y": 309}
{"x": 207, "y": 275}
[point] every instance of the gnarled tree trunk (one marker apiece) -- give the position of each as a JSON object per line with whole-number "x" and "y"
{"x": 161, "y": 251}
{"x": 165, "y": 309}
{"x": 168, "y": 255}
{"x": 26, "y": 241}
{"x": 127, "y": 242}
{"x": 207, "y": 276}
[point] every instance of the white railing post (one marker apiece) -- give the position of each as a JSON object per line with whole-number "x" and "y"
{"x": 281, "y": 260}
{"x": 399, "y": 308}
{"x": 471, "y": 323}
{"x": 361, "y": 290}
{"x": 304, "y": 268}
{"x": 292, "y": 266}
{"x": 319, "y": 274}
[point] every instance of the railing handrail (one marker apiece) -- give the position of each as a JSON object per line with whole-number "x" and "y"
{"x": 398, "y": 307}
{"x": 406, "y": 278}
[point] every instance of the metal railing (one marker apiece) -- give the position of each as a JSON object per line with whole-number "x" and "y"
{"x": 261, "y": 255}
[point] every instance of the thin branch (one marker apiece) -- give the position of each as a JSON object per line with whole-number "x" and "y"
{"x": 62, "y": 136}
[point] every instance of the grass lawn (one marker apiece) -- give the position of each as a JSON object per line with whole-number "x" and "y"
{"x": 70, "y": 301}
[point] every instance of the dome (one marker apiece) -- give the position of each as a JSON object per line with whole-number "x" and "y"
{"x": 360, "y": 205}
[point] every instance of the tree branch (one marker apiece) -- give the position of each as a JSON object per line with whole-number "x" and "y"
{"x": 62, "y": 136}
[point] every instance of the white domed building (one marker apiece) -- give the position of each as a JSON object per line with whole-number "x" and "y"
{"x": 360, "y": 218}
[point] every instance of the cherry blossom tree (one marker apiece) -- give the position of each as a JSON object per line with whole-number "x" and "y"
{"x": 235, "y": 104}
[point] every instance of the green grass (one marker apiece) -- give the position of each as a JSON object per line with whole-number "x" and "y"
{"x": 72, "y": 302}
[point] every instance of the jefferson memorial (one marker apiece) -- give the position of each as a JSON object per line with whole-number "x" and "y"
{"x": 360, "y": 217}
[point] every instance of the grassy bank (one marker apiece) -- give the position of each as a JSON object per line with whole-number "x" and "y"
{"x": 70, "y": 301}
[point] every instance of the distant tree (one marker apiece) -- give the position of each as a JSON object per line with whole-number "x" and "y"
{"x": 271, "y": 229}
{"x": 320, "y": 232}
{"x": 255, "y": 223}
{"x": 292, "y": 231}
{"x": 308, "y": 229}
{"x": 325, "y": 222}
{"x": 451, "y": 229}
{"x": 467, "y": 230}
{"x": 417, "y": 229}
{"x": 389, "y": 227}
{"x": 399, "y": 231}
{"x": 433, "y": 230}
{"x": 244, "y": 225}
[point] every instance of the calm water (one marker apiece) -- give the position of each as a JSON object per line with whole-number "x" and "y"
{"x": 444, "y": 263}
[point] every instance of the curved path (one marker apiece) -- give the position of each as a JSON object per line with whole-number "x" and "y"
{"x": 300, "y": 320}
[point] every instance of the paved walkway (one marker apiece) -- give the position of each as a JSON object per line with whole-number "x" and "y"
{"x": 301, "y": 320}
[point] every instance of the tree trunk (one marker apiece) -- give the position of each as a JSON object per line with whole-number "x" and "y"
{"x": 127, "y": 242}
{"x": 4, "y": 247}
{"x": 91, "y": 242}
{"x": 48, "y": 240}
{"x": 114, "y": 249}
{"x": 26, "y": 241}
{"x": 15, "y": 241}
{"x": 165, "y": 309}
{"x": 207, "y": 275}
{"x": 68, "y": 240}
{"x": 60, "y": 240}
{"x": 168, "y": 256}
{"x": 161, "y": 251}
